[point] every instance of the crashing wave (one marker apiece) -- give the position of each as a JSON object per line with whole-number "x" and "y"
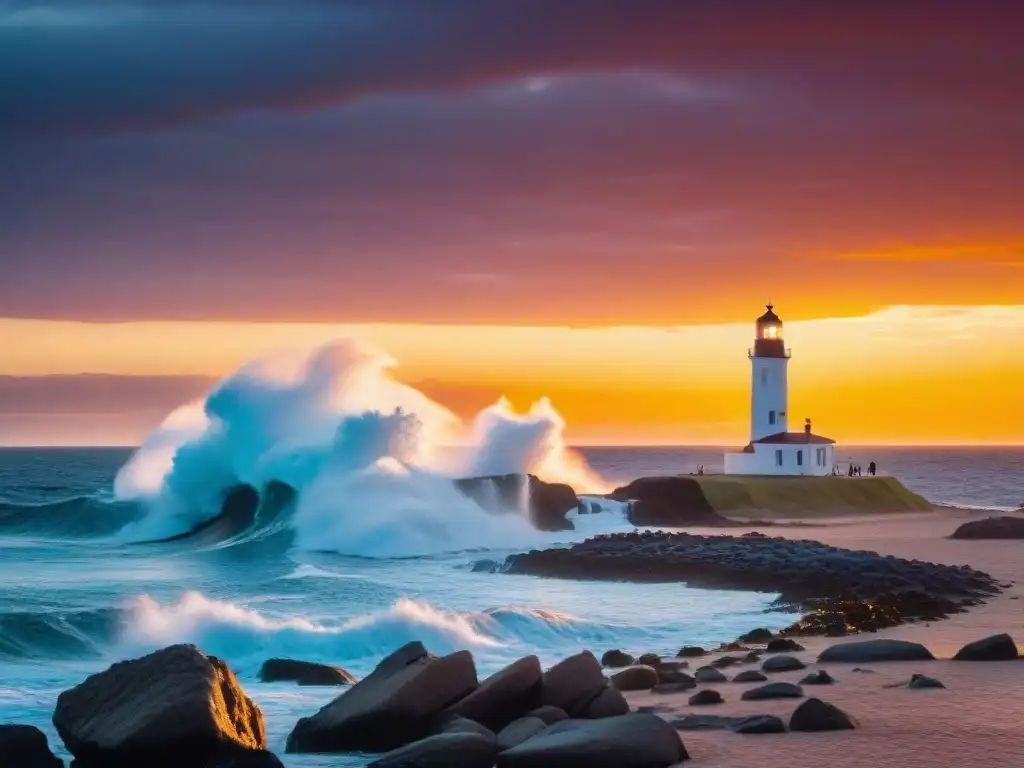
{"x": 362, "y": 452}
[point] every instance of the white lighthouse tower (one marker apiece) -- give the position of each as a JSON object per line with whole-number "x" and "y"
{"x": 773, "y": 449}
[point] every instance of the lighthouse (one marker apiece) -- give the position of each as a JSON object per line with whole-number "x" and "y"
{"x": 773, "y": 449}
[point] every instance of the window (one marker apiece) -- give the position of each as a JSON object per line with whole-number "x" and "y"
{"x": 764, "y": 377}
{"x": 821, "y": 457}
{"x": 799, "y": 458}
{"x": 771, "y": 417}
{"x": 778, "y": 458}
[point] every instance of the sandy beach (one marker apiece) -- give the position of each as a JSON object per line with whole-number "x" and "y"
{"x": 975, "y": 721}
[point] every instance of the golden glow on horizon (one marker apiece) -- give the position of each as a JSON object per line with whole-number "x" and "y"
{"x": 906, "y": 375}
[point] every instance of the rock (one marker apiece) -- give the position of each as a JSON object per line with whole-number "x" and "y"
{"x": 723, "y": 662}
{"x": 774, "y": 691}
{"x": 868, "y": 651}
{"x": 783, "y": 645}
{"x": 25, "y": 746}
{"x": 691, "y": 651}
{"x": 547, "y": 503}
{"x": 304, "y": 673}
{"x": 466, "y": 750}
{"x": 759, "y": 724}
{"x": 548, "y": 714}
{"x": 486, "y": 566}
{"x": 649, "y": 659}
{"x": 670, "y": 688}
{"x": 709, "y": 675}
{"x": 667, "y": 502}
{"x": 671, "y": 673}
{"x": 761, "y": 635}
{"x": 504, "y": 696}
{"x": 749, "y": 676}
{"x": 733, "y": 648}
{"x": 394, "y": 705}
{"x": 450, "y": 724}
{"x": 752, "y": 658}
{"x": 629, "y": 741}
{"x": 863, "y": 671}
{"x": 636, "y": 678}
{"x": 704, "y": 723}
{"x": 706, "y": 697}
{"x": 782, "y": 664}
{"x": 573, "y": 683}
{"x": 176, "y": 705}
{"x": 821, "y": 677}
{"x": 816, "y": 715}
{"x": 515, "y": 733}
{"x": 616, "y": 659}
{"x": 609, "y": 703}
{"x": 920, "y": 682}
{"x": 995, "y": 648}
{"x": 991, "y": 528}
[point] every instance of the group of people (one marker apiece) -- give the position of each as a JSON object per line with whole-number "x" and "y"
{"x": 854, "y": 470}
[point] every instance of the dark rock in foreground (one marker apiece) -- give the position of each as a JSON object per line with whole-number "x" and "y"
{"x": 668, "y": 502}
{"x": 574, "y": 683}
{"x": 761, "y": 635}
{"x": 630, "y": 741}
{"x": 783, "y": 645}
{"x": 991, "y": 528}
{"x": 173, "y": 707}
{"x": 394, "y": 705}
{"x": 842, "y": 590}
{"x": 547, "y": 503}
{"x": 815, "y": 715}
{"x": 517, "y": 732}
{"x": 616, "y": 659}
{"x": 691, "y": 651}
{"x": 635, "y": 678}
{"x": 466, "y": 750}
{"x": 821, "y": 677}
{"x": 304, "y": 673}
{"x": 706, "y": 697}
{"x": 922, "y": 682}
{"x": 995, "y": 648}
{"x": 868, "y": 651}
{"x": 750, "y": 676}
{"x": 782, "y": 664}
{"x": 759, "y": 724}
{"x": 504, "y": 696}
{"x": 25, "y": 746}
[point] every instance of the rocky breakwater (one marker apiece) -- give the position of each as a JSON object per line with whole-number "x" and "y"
{"x": 841, "y": 591}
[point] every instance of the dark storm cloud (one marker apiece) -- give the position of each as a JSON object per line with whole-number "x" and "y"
{"x": 94, "y": 66}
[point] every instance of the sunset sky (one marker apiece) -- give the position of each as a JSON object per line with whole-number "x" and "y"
{"x": 586, "y": 199}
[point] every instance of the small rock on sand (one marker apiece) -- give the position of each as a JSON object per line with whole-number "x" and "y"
{"x": 690, "y": 651}
{"x": 870, "y": 651}
{"x": 782, "y": 664}
{"x": 750, "y": 676}
{"x": 783, "y": 645}
{"x": 706, "y": 697}
{"x": 815, "y": 715}
{"x": 709, "y": 675}
{"x": 635, "y": 678}
{"x": 759, "y": 724}
{"x": 774, "y": 691}
{"x": 994, "y": 648}
{"x": 821, "y": 677}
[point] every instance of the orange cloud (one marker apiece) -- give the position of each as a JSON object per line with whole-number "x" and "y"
{"x": 1008, "y": 253}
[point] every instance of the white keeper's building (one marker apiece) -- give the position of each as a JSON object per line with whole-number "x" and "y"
{"x": 773, "y": 449}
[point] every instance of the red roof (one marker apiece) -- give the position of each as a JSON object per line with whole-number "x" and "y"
{"x": 795, "y": 438}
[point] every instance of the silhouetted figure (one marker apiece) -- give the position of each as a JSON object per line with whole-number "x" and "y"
{"x": 871, "y": 468}
{"x": 849, "y": 471}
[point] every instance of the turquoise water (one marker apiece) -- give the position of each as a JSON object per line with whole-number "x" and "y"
{"x": 77, "y": 594}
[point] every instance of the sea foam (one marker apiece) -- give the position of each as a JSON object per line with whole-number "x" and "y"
{"x": 364, "y": 452}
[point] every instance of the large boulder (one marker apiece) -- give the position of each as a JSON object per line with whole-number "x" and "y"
{"x": 817, "y": 715}
{"x": 629, "y": 741}
{"x": 505, "y": 696}
{"x": 573, "y": 683}
{"x": 635, "y": 678}
{"x": 515, "y": 733}
{"x": 667, "y": 502}
{"x": 304, "y": 673}
{"x": 547, "y": 503}
{"x": 176, "y": 706}
{"x": 991, "y": 528}
{"x": 25, "y": 746}
{"x": 394, "y": 705}
{"x": 994, "y": 648}
{"x": 869, "y": 651}
{"x": 466, "y": 750}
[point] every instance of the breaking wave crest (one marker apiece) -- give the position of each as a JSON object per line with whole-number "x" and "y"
{"x": 363, "y": 454}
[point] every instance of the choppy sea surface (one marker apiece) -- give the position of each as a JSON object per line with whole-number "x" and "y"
{"x": 77, "y": 593}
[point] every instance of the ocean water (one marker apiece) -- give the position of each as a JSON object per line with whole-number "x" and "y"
{"x": 77, "y": 594}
